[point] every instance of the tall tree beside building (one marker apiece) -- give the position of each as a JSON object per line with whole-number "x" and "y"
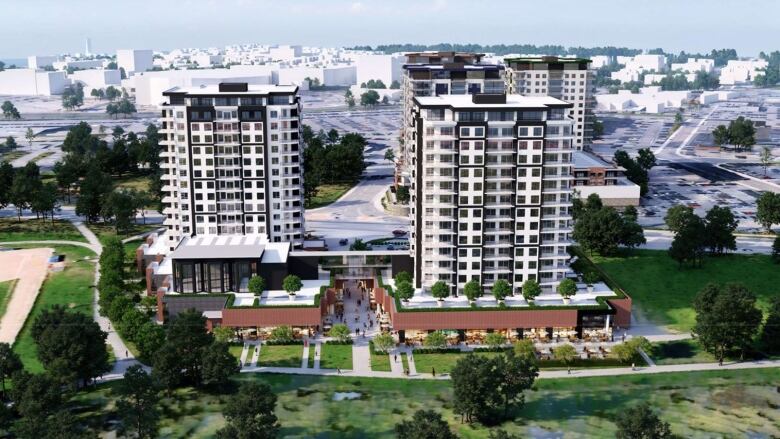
{"x": 727, "y": 319}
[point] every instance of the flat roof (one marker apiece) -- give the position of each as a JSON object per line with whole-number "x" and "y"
{"x": 222, "y": 247}
{"x": 582, "y": 159}
{"x": 252, "y": 89}
{"x": 545, "y": 59}
{"x": 512, "y": 101}
{"x": 476, "y": 67}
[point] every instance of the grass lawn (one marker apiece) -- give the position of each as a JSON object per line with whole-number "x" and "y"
{"x": 681, "y": 352}
{"x": 664, "y": 293}
{"x": 444, "y": 362}
{"x": 12, "y": 155}
{"x": 42, "y": 156}
{"x": 71, "y": 287}
{"x": 38, "y": 230}
{"x": 235, "y": 350}
{"x": 336, "y": 356}
{"x": 105, "y": 231}
{"x": 380, "y": 362}
{"x": 312, "y": 349}
{"x": 137, "y": 182}
{"x": 6, "y": 290}
{"x": 700, "y": 404}
{"x": 327, "y": 193}
{"x": 280, "y": 355}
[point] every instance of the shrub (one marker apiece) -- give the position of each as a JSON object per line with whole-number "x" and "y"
{"x": 567, "y": 288}
{"x": 525, "y": 349}
{"x": 494, "y": 339}
{"x": 591, "y": 277}
{"x": 435, "y": 340}
{"x": 440, "y": 290}
{"x": 403, "y": 276}
{"x": 282, "y": 334}
{"x": 404, "y": 290}
{"x": 531, "y": 289}
{"x": 383, "y": 342}
{"x": 472, "y": 290}
{"x": 340, "y": 332}
{"x": 292, "y": 284}
{"x": 501, "y": 289}
{"x": 256, "y": 285}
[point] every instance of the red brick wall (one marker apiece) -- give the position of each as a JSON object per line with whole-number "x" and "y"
{"x": 425, "y": 320}
{"x": 250, "y": 317}
{"x": 623, "y": 315}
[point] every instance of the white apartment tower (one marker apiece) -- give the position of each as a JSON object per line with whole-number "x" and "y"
{"x": 232, "y": 162}
{"x": 567, "y": 79}
{"x": 491, "y": 189}
{"x": 442, "y": 73}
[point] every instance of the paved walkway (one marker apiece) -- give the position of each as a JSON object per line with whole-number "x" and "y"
{"x": 29, "y": 267}
{"x": 545, "y": 374}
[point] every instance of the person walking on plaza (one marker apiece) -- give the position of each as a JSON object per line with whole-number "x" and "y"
{"x": 433, "y": 372}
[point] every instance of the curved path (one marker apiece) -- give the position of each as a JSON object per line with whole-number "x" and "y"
{"x": 124, "y": 358}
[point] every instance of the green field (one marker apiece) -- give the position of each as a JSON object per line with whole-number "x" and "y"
{"x": 106, "y": 231}
{"x": 6, "y": 290}
{"x": 681, "y": 352}
{"x": 38, "y": 230}
{"x": 137, "y": 182}
{"x": 12, "y": 155}
{"x": 42, "y": 156}
{"x": 700, "y": 404}
{"x": 327, "y": 193}
{"x": 71, "y": 287}
{"x": 664, "y": 293}
{"x": 336, "y": 356}
{"x": 445, "y": 362}
{"x": 280, "y": 355}
{"x": 380, "y": 362}
{"x": 235, "y": 350}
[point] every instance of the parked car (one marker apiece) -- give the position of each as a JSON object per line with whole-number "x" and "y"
{"x": 344, "y": 241}
{"x": 399, "y": 232}
{"x": 391, "y": 247}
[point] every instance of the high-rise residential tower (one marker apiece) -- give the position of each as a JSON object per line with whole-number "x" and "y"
{"x": 567, "y": 79}
{"x": 232, "y": 162}
{"x": 442, "y": 73}
{"x": 491, "y": 189}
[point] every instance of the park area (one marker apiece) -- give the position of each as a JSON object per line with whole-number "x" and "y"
{"x": 280, "y": 355}
{"x": 713, "y": 404}
{"x": 327, "y": 194}
{"x": 663, "y": 293}
{"x": 12, "y": 230}
{"x": 336, "y": 356}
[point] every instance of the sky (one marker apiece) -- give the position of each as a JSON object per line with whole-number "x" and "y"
{"x": 55, "y": 26}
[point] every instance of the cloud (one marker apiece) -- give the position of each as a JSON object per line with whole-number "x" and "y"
{"x": 357, "y": 7}
{"x": 439, "y": 5}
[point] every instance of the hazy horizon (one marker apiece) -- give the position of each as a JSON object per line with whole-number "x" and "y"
{"x": 38, "y": 27}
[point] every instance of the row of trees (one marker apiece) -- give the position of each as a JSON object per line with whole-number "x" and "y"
{"x": 740, "y": 133}
{"x": 331, "y": 159}
{"x": 602, "y": 229}
{"x": 130, "y": 314}
{"x": 728, "y": 321}
{"x": 693, "y": 235}
{"x": 24, "y": 189}
{"x": 702, "y": 81}
{"x": 122, "y": 107}
{"x": 111, "y": 93}
{"x": 378, "y": 83}
{"x": 637, "y": 170}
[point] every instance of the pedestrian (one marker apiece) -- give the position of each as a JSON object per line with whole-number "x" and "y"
{"x": 433, "y": 372}
{"x": 338, "y": 371}
{"x": 632, "y": 366}
{"x": 126, "y": 353}
{"x": 406, "y": 372}
{"x": 395, "y": 358}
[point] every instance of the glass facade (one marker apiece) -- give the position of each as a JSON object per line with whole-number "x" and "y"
{"x": 215, "y": 276}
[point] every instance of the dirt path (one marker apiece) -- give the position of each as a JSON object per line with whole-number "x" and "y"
{"x": 29, "y": 266}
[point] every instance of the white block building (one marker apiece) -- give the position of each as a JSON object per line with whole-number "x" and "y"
{"x": 648, "y": 100}
{"x": 96, "y": 79}
{"x": 491, "y": 189}
{"x": 738, "y": 71}
{"x": 232, "y": 162}
{"x": 40, "y": 62}
{"x": 134, "y": 60}
{"x": 387, "y": 68}
{"x": 693, "y": 65}
{"x": 31, "y": 82}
